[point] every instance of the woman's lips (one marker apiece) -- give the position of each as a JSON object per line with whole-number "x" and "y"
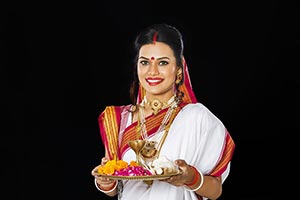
{"x": 154, "y": 81}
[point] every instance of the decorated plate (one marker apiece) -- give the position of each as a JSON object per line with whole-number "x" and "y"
{"x": 146, "y": 177}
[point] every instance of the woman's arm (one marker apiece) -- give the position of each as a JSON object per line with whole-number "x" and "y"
{"x": 105, "y": 185}
{"x": 193, "y": 180}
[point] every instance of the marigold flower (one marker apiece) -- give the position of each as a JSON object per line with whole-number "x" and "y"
{"x": 112, "y": 166}
{"x": 133, "y": 163}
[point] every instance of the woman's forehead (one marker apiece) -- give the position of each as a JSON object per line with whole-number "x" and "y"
{"x": 154, "y": 51}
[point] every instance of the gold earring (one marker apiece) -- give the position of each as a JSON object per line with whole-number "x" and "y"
{"x": 178, "y": 78}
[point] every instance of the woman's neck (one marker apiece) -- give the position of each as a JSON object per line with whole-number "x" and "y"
{"x": 157, "y": 105}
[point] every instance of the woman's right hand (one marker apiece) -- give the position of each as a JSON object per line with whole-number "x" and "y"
{"x": 103, "y": 182}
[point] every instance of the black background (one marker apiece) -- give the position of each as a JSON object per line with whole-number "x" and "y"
{"x": 63, "y": 62}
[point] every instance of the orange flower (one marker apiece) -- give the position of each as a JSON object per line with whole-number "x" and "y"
{"x": 121, "y": 164}
{"x": 112, "y": 165}
{"x": 133, "y": 163}
{"x": 109, "y": 170}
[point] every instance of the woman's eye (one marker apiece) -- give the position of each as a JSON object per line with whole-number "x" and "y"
{"x": 163, "y": 62}
{"x": 144, "y": 62}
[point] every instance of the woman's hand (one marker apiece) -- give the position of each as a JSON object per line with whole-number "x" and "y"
{"x": 103, "y": 182}
{"x": 186, "y": 176}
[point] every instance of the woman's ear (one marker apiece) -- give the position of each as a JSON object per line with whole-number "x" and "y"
{"x": 179, "y": 75}
{"x": 179, "y": 71}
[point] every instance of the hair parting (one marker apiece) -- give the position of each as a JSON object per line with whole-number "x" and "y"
{"x": 155, "y": 37}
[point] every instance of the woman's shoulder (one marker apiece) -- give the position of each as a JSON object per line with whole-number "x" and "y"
{"x": 117, "y": 109}
{"x": 121, "y": 107}
{"x": 194, "y": 108}
{"x": 199, "y": 111}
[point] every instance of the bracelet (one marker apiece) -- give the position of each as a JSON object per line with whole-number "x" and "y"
{"x": 196, "y": 177}
{"x": 200, "y": 185}
{"x": 106, "y": 191}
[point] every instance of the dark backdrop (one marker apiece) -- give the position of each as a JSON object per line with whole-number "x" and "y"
{"x": 63, "y": 62}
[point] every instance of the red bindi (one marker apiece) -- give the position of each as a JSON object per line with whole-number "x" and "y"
{"x": 152, "y": 58}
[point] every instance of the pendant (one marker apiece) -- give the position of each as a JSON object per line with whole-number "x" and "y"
{"x": 156, "y": 106}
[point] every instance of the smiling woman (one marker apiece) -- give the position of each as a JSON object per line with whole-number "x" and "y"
{"x": 170, "y": 124}
{"x": 157, "y": 70}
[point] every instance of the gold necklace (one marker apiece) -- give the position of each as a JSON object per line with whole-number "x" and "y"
{"x": 156, "y": 105}
{"x": 166, "y": 122}
{"x": 151, "y": 149}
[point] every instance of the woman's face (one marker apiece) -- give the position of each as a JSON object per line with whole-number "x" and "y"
{"x": 157, "y": 70}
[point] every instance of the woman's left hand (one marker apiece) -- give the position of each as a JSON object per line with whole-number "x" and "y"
{"x": 186, "y": 176}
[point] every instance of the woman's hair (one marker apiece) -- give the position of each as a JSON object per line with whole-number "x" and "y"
{"x": 157, "y": 33}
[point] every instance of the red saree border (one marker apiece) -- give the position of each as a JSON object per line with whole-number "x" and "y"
{"x": 109, "y": 123}
{"x": 226, "y": 156}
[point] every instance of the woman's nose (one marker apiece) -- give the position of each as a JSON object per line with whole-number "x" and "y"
{"x": 153, "y": 69}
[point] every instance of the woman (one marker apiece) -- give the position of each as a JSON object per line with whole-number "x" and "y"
{"x": 165, "y": 110}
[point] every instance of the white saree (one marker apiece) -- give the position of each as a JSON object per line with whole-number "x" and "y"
{"x": 196, "y": 136}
